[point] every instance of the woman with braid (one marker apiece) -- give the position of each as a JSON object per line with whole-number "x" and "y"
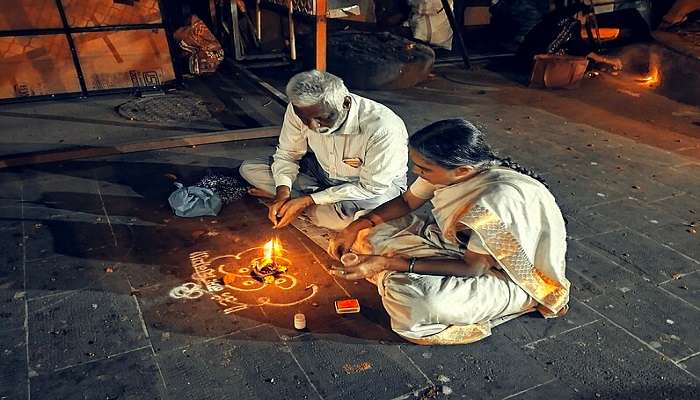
{"x": 493, "y": 247}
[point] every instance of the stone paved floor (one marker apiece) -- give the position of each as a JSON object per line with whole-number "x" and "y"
{"x": 89, "y": 252}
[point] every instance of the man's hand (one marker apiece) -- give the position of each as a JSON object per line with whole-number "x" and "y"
{"x": 367, "y": 266}
{"x": 283, "y": 195}
{"x": 291, "y": 209}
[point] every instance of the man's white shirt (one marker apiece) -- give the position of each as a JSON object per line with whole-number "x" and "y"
{"x": 371, "y": 133}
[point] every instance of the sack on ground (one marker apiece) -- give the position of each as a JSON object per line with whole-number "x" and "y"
{"x": 193, "y": 201}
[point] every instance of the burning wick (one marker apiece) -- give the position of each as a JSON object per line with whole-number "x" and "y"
{"x": 271, "y": 250}
{"x": 268, "y": 252}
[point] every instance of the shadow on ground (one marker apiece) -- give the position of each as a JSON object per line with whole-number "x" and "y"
{"x": 120, "y": 236}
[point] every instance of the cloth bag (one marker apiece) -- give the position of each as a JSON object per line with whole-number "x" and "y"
{"x": 193, "y": 201}
{"x": 205, "y": 52}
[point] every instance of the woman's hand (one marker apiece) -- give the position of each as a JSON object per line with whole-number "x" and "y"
{"x": 366, "y": 267}
{"x": 342, "y": 242}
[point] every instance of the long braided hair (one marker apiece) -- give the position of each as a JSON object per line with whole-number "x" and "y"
{"x": 453, "y": 143}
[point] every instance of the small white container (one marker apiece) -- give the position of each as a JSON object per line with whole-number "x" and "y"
{"x": 299, "y": 321}
{"x": 349, "y": 259}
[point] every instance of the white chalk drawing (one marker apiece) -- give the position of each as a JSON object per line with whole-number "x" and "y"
{"x": 240, "y": 290}
{"x": 188, "y": 290}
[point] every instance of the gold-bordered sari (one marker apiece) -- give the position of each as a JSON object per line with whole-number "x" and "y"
{"x": 521, "y": 226}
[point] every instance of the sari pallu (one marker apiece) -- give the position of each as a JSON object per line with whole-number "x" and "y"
{"x": 520, "y": 225}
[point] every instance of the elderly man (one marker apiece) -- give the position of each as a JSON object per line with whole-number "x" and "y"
{"x": 358, "y": 158}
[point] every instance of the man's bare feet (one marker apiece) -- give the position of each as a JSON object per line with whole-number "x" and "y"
{"x": 260, "y": 193}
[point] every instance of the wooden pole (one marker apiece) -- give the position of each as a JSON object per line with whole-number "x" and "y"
{"x": 292, "y": 35}
{"x": 456, "y": 32}
{"x": 320, "y": 47}
{"x": 258, "y": 20}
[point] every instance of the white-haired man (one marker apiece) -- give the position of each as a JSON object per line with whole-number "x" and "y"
{"x": 357, "y": 160}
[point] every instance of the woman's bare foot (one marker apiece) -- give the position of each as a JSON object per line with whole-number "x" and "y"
{"x": 260, "y": 193}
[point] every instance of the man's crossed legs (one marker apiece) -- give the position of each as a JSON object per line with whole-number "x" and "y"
{"x": 312, "y": 178}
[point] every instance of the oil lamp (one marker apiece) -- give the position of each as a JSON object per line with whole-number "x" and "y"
{"x": 271, "y": 264}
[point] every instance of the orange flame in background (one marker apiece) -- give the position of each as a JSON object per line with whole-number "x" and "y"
{"x": 654, "y": 77}
{"x": 602, "y": 34}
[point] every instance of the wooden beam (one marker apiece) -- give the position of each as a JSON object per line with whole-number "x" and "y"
{"x": 320, "y": 44}
{"x": 156, "y": 144}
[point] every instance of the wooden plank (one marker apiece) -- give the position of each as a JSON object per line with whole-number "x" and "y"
{"x": 157, "y": 144}
{"x": 678, "y": 43}
{"x": 320, "y": 47}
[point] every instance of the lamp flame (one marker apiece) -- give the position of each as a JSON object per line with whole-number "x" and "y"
{"x": 268, "y": 250}
{"x": 271, "y": 264}
{"x": 271, "y": 250}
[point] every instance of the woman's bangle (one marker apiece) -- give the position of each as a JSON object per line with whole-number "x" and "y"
{"x": 411, "y": 264}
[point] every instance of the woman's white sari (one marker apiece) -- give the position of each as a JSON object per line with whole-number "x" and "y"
{"x": 518, "y": 223}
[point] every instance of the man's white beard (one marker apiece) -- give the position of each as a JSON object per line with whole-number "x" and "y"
{"x": 338, "y": 123}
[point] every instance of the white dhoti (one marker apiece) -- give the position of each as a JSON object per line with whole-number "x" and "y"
{"x": 422, "y": 306}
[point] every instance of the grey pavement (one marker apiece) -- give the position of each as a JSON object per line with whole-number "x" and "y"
{"x": 89, "y": 252}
